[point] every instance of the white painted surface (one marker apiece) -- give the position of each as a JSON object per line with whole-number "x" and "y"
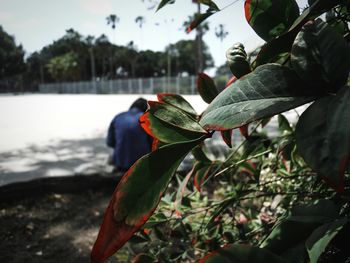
{"x": 52, "y": 135}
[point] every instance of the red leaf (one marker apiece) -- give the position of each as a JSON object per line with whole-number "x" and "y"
{"x": 155, "y": 144}
{"x": 247, "y": 11}
{"x": 113, "y": 235}
{"x": 231, "y": 80}
{"x": 202, "y": 171}
{"x": 199, "y": 19}
{"x": 227, "y": 137}
{"x": 145, "y": 124}
{"x": 206, "y": 87}
{"x": 244, "y": 130}
{"x": 137, "y": 196}
{"x": 181, "y": 191}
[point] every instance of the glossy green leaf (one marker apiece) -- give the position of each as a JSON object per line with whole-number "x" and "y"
{"x": 241, "y": 254}
{"x": 323, "y": 137}
{"x": 298, "y": 224}
{"x": 137, "y": 196}
{"x": 174, "y": 116}
{"x": 321, "y": 237}
{"x": 271, "y": 18}
{"x": 166, "y": 132}
{"x": 177, "y": 101}
{"x": 206, "y": 87}
{"x": 164, "y": 3}
{"x": 278, "y": 49}
{"x": 269, "y": 90}
{"x": 321, "y": 56}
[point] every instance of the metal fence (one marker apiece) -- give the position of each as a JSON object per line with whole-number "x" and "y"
{"x": 179, "y": 85}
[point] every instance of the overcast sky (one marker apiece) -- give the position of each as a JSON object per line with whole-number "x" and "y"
{"x": 36, "y": 23}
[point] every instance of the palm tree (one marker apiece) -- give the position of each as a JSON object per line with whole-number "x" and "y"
{"x": 220, "y": 32}
{"x": 90, "y": 41}
{"x": 140, "y": 20}
{"x": 112, "y": 20}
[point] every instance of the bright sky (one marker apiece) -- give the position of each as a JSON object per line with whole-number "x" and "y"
{"x": 36, "y": 23}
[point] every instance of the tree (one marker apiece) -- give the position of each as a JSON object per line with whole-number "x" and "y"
{"x": 112, "y": 20}
{"x": 64, "y": 67}
{"x": 183, "y": 57}
{"x": 11, "y": 56}
{"x": 282, "y": 199}
{"x": 201, "y": 30}
{"x": 220, "y": 32}
{"x": 90, "y": 42}
{"x": 140, "y": 20}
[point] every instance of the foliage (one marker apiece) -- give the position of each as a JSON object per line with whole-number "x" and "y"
{"x": 11, "y": 56}
{"x": 267, "y": 199}
{"x": 112, "y": 61}
{"x": 64, "y": 68}
{"x": 183, "y": 57}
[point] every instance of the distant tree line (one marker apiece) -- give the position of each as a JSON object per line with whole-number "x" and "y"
{"x": 74, "y": 57}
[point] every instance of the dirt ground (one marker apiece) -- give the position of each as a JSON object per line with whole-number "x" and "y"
{"x": 52, "y": 227}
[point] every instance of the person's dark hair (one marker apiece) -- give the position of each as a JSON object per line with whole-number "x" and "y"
{"x": 140, "y": 104}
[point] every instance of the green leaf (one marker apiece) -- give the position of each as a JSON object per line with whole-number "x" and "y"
{"x": 166, "y": 132}
{"x": 283, "y": 124}
{"x": 323, "y": 137}
{"x": 321, "y": 56}
{"x": 241, "y": 254}
{"x": 227, "y": 137}
{"x": 155, "y": 219}
{"x": 296, "y": 226}
{"x": 320, "y": 238}
{"x": 199, "y": 19}
{"x": 278, "y": 49}
{"x": 269, "y": 90}
{"x": 201, "y": 171}
{"x": 209, "y": 3}
{"x": 137, "y": 196}
{"x": 320, "y": 6}
{"x": 174, "y": 116}
{"x": 271, "y": 18}
{"x": 164, "y": 3}
{"x": 206, "y": 87}
{"x": 200, "y": 155}
{"x": 296, "y": 254}
{"x": 177, "y": 101}
{"x": 181, "y": 191}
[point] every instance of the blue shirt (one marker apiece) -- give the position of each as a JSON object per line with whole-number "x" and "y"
{"x": 129, "y": 140}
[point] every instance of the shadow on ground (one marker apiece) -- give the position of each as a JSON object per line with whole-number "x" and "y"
{"x": 62, "y": 158}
